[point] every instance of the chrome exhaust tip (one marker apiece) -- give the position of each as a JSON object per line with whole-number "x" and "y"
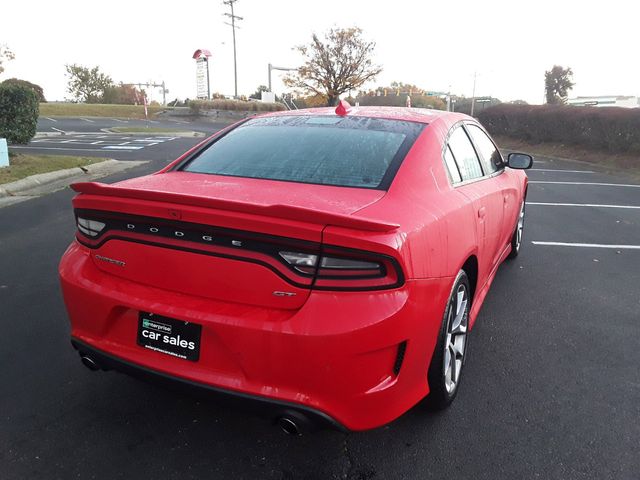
{"x": 89, "y": 362}
{"x": 289, "y": 426}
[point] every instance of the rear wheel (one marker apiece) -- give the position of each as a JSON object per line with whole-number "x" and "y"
{"x": 516, "y": 239}
{"x": 446, "y": 365}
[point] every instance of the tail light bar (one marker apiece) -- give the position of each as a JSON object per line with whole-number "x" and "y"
{"x": 304, "y": 264}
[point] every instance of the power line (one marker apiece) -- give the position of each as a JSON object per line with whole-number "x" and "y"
{"x": 233, "y": 26}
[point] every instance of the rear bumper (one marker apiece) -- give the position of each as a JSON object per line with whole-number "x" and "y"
{"x": 261, "y": 405}
{"x": 335, "y": 358}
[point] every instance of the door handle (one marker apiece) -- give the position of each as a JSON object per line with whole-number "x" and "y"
{"x": 482, "y": 212}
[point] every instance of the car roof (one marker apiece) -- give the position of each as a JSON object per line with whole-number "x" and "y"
{"x": 420, "y": 115}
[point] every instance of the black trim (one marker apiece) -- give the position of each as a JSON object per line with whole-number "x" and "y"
{"x": 270, "y": 406}
{"x": 402, "y": 348}
{"x": 266, "y": 244}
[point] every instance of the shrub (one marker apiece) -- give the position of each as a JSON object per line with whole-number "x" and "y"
{"x": 611, "y": 129}
{"x": 237, "y": 105}
{"x": 37, "y": 89}
{"x": 18, "y": 113}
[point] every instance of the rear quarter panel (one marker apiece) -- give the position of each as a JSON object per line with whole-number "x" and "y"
{"x": 437, "y": 232}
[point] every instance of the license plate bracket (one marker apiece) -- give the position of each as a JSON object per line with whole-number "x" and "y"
{"x": 166, "y": 335}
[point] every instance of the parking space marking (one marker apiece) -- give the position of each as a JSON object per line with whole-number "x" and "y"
{"x": 587, "y": 183}
{"x": 51, "y": 119}
{"x": 122, "y": 147}
{"x": 593, "y": 205}
{"x": 560, "y": 170}
{"x": 588, "y": 245}
{"x": 58, "y": 130}
{"x": 87, "y": 120}
{"x": 96, "y": 142}
{"x": 28, "y": 147}
{"x": 118, "y": 120}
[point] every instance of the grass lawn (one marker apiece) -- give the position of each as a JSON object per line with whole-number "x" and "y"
{"x": 627, "y": 162}
{"x": 96, "y": 110}
{"x": 21, "y": 166}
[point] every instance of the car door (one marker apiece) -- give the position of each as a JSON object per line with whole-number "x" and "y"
{"x": 486, "y": 198}
{"x": 494, "y": 166}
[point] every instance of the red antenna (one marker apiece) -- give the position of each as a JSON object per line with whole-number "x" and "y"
{"x": 343, "y": 108}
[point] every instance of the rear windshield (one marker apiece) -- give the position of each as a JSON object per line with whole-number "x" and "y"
{"x": 344, "y": 151}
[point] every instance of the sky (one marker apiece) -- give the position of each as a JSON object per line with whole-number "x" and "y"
{"x": 437, "y": 45}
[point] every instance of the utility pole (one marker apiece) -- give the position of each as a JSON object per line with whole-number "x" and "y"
{"x": 233, "y": 18}
{"x": 473, "y": 95}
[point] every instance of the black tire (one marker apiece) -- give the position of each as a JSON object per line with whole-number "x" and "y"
{"x": 518, "y": 232}
{"x": 440, "y": 394}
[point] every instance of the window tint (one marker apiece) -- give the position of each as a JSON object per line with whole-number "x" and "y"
{"x": 489, "y": 154}
{"x": 451, "y": 166}
{"x": 330, "y": 150}
{"x": 464, "y": 154}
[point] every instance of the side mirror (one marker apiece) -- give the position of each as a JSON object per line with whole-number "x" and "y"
{"x": 521, "y": 161}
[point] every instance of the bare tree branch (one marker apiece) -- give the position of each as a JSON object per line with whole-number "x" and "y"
{"x": 335, "y": 64}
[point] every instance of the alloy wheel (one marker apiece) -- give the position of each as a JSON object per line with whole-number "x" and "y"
{"x": 456, "y": 338}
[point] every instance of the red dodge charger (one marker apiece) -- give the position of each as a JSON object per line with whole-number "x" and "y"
{"x": 326, "y": 265}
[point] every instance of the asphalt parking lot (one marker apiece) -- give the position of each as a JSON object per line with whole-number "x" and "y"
{"x": 86, "y": 136}
{"x": 551, "y": 387}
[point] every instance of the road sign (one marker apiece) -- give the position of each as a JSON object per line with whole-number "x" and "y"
{"x": 201, "y": 78}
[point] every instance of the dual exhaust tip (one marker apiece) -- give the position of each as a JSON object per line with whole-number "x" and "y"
{"x": 292, "y": 423}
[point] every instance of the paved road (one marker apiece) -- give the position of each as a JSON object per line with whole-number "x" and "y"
{"x": 87, "y": 138}
{"x": 94, "y": 124}
{"x": 551, "y": 388}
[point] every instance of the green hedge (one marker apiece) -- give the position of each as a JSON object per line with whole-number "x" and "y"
{"x": 197, "y": 106}
{"x": 18, "y": 113}
{"x": 611, "y": 129}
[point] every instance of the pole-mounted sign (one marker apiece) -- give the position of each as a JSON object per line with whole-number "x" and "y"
{"x": 201, "y": 57}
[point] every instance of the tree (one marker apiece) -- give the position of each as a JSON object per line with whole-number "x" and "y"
{"x": 557, "y": 83}
{"x": 87, "y": 85}
{"x": 5, "y": 56}
{"x": 339, "y": 62}
{"x": 37, "y": 89}
{"x": 258, "y": 93}
{"x": 123, "y": 94}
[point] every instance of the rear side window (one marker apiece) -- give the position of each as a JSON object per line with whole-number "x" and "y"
{"x": 451, "y": 166}
{"x": 465, "y": 155}
{"x": 330, "y": 150}
{"x": 489, "y": 153}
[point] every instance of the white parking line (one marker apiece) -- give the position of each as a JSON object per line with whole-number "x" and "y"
{"x": 589, "y": 245}
{"x": 87, "y": 120}
{"x": 58, "y": 130}
{"x": 121, "y": 147}
{"x": 588, "y": 183}
{"x": 121, "y": 121}
{"x": 593, "y": 205}
{"x": 51, "y": 119}
{"x": 58, "y": 148}
{"x": 559, "y": 170}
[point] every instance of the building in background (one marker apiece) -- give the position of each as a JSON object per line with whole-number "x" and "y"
{"x": 605, "y": 101}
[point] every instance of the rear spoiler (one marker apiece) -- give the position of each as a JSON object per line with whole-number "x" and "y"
{"x": 279, "y": 211}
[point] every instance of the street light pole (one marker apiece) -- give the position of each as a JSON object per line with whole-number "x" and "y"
{"x": 233, "y": 17}
{"x": 273, "y": 67}
{"x": 473, "y": 95}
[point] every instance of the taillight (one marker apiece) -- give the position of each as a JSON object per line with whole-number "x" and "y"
{"x": 336, "y": 269}
{"x": 301, "y": 263}
{"x": 90, "y": 228}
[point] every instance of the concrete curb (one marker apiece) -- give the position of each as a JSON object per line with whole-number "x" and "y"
{"x": 42, "y": 179}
